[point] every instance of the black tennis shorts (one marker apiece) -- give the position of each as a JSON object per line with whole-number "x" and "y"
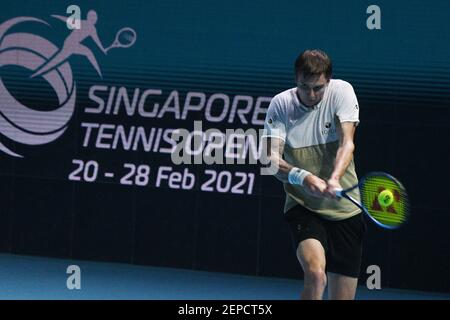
{"x": 342, "y": 240}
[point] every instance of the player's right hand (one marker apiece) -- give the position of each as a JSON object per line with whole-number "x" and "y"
{"x": 315, "y": 186}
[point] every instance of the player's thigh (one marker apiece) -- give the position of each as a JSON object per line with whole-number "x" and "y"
{"x": 81, "y": 49}
{"x": 344, "y": 253}
{"x": 309, "y": 237}
{"x": 311, "y": 255}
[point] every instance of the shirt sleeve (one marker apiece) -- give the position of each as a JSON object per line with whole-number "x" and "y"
{"x": 274, "y": 124}
{"x": 347, "y": 108}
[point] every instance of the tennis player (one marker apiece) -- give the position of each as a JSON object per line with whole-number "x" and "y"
{"x": 310, "y": 130}
{"x": 72, "y": 45}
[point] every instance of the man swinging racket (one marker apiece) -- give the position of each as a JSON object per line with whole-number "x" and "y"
{"x": 310, "y": 130}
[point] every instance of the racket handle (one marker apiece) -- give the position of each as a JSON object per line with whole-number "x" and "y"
{"x": 338, "y": 193}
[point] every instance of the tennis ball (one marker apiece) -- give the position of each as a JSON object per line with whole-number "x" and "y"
{"x": 385, "y": 198}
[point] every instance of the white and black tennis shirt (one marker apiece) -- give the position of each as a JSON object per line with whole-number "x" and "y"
{"x": 311, "y": 137}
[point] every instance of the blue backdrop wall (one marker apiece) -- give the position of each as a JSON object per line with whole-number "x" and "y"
{"x": 78, "y": 179}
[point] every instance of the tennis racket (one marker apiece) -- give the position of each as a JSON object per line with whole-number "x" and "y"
{"x": 383, "y": 199}
{"x": 125, "y": 38}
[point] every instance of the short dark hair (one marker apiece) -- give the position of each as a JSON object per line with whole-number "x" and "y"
{"x": 313, "y": 63}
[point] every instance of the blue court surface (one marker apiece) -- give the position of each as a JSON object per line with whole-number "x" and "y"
{"x": 37, "y": 278}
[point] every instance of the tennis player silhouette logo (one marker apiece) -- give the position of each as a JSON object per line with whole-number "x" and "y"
{"x": 125, "y": 38}
{"x": 28, "y": 126}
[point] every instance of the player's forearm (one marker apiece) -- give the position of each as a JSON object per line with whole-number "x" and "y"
{"x": 343, "y": 158}
{"x": 62, "y": 18}
{"x": 98, "y": 42}
{"x": 282, "y": 167}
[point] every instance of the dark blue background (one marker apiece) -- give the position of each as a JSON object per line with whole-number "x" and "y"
{"x": 400, "y": 75}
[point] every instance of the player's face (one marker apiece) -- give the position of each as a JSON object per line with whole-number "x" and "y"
{"x": 311, "y": 89}
{"x": 92, "y": 16}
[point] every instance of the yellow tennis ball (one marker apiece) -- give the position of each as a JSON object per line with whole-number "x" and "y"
{"x": 386, "y": 198}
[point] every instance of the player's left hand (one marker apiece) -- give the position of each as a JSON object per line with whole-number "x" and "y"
{"x": 332, "y": 185}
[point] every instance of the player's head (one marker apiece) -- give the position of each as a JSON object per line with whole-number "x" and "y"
{"x": 92, "y": 16}
{"x": 313, "y": 69}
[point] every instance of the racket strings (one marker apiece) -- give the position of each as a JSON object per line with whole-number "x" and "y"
{"x": 392, "y": 215}
{"x": 126, "y": 37}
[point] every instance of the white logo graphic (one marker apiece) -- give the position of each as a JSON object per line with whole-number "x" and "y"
{"x": 31, "y": 127}
{"x": 374, "y": 20}
{"x": 74, "y": 280}
{"x": 374, "y": 281}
